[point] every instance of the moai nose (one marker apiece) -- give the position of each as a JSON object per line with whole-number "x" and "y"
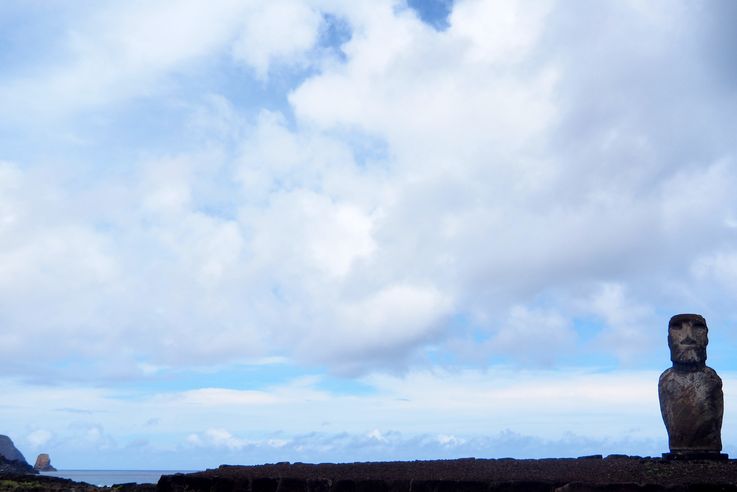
{"x": 688, "y": 341}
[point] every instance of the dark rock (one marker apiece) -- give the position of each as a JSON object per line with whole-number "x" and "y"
{"x": 36, "y": 483}
{"x": 12, "y": 460}
{"x": 9, "y": 451}
{"x": 616, "y": 487}
{"x": 318, "y": 485}
{"x": 130, "y": 487}
{"x": 264, "y": 484}
{"x": 621, "y": 474}
{"x": 292, "y": 485}
{"x": 16, "y": 467}
{"x": 43, "y": 463}
{"x": 343, "y": 486}
{"x": 691, "y": 398}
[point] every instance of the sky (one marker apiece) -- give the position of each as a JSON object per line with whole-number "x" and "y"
{"x": 249, "y": 231}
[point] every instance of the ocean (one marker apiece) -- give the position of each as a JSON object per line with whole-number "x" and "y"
{"x": 111, "y": 477}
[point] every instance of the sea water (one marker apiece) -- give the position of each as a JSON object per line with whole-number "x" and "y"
{"x": 104, "y": 478}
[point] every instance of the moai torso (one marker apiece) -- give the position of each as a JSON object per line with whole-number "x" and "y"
{"x": 691, "y": 399}
{"x": 692, "y": 406}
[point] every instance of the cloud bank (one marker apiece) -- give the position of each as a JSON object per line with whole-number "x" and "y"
{"x": 497, "y": 170}
{"x": 423, "y": 414}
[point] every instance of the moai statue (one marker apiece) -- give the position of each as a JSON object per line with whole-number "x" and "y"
{"x": 691, "y": 398}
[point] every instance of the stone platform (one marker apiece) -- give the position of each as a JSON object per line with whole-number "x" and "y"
{"x": 695, "y": 456}
{"x": 614, "y": 473}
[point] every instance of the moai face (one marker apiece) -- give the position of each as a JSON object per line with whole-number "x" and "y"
{"x": 687, "y": 339}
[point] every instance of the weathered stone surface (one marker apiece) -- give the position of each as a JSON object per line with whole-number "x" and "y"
{"x": 624, "y": 474}
{"x": 43, "y": 463}
{"x": 691, "y": 398}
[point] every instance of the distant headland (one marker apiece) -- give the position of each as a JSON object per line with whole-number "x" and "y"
{"x": 11, "y": 459}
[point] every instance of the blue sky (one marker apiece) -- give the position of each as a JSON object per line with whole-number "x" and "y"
{"x": 316, "y": 230}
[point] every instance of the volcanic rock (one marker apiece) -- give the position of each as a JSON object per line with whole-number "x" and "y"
{"x": 15, "y": 467}
{"x": 586, "y": 474}
{"x": 43, "y": 463}
{"x": 12, "y": 460}
{"x": 9, "y": 451}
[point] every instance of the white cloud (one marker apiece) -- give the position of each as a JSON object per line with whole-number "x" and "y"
{"x": 115, "y": 52}
{"x": 194, "y": 440}
{"x": 39, "y": 438}
{"x": 483, "y": 171}
{"x": 534, "y": 337}
{"x": 310, "y": 232}
{"x": 320, "y": 447}
{"x": 494, "y": 413}
{"x": 395, "y": 317}
{"x": 90, "y": 435}
{"x": 220, "y": 396}
{"x": 450, "y": 440}
{"x": 410, "y": 85}
{"x": 376, "y": 435}
{"x": 719, "y": 266}
{"x": 630, "y": 327}
{"x": 280, "y": 30}
{"x": 498, "y": 31}
{"x": 119, "y": 52}
{"x": 221, "y": 437}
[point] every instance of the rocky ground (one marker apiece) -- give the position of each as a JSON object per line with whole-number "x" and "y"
{"x": 610, "y": 474}
{"x": 11, "y": 482}
{"x": 13, "y": 466}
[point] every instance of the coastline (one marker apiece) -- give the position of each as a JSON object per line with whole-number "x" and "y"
{"x": 107, "y": 478}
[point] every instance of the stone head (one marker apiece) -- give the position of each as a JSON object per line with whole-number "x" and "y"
{"x": 687, "y": 339}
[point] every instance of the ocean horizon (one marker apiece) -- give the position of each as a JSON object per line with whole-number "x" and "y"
{"x": 106, "y": 478}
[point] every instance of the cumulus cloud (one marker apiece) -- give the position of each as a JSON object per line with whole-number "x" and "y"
{"x": 113, "y": 53}
{"x": 92, "y": 435}
{"x": 39, "y": 438}
{"x": 498, "y": 171}
{"x": 628, "y": 324}
{"x": 221, "y": 437}
{"x": 322, "y": 447}
{"x": 538, "y": 337}
{"x": 217, "y": 396}
{"x": 281, "y": 31}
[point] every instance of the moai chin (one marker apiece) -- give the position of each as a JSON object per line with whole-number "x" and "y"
{"x": 691, "y": 398}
